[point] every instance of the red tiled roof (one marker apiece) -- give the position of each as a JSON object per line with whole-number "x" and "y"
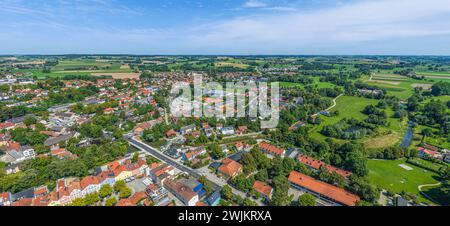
{"x": 85, "y": 182}
{"x": 200, "y": 204}
{"x": 428, "y": 152}
{"x": 316, "y": 164}
{"x": 332, "y": 192}
{"x": 262, "y": 188}
{"x": 184, "y": 191}
{"x": 23, "y": 202}
{"x": 171, "y": 133}
{"x": 230, "y": 167}
{"x": 119, "y": 170}
{"x": 5, "y": 125}
{"x": 133, "y": 200}
{"x": 271, "y": 148}
{"x": 13, "y": 146}
{"x": 40, "y": 191}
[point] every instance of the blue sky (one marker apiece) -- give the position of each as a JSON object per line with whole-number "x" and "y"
{"x": 225, "y": 27}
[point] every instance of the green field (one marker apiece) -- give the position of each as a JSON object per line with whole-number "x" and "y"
{"x": 71, "y": 67}
{"x": 348, "y": 107}
{"x": 390, "y": 176}
{"x": 316, "y": 82}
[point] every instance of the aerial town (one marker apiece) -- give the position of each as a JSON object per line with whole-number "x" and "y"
{"x": 97, "y": 130}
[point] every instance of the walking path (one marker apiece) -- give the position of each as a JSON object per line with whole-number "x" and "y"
{"x": 428, "y": 185}
{"x": 332, "y": 106}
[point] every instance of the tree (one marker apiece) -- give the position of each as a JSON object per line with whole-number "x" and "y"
{"x": 248, "y": 202}
{"x": 262, "y": 175}
{"x": 119, "y": 185}
{"x": 306, "y": 200}
{"x": 426, "y": 133}
{"x": 206, "y": 184}
{"x": 125, "y": 192}
{"x": 216, "y": 151}
{"x": 226, "y": 192}
{"x": 105, "y": 191}
{"x": 91, "y": 199}
{"x": 111, "y": 201}
{"x": 249, "y": 163}
{"x": 135, "y": 157}
{"x": 280, "y": 196}
{"x": 440, "y": 88}
{"x": 78, "y": 202}
{"x": 29, "y": 120}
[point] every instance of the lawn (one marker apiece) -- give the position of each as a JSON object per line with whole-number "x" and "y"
{"x": 348, "y": 107}
{"x": 316, "y": 82}
{"x": 390, "y": 176}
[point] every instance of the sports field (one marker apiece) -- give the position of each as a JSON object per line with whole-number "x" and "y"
{"x": 389, "y": 175}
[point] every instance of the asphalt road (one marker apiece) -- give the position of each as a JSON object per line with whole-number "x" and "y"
{"x": 195, "y": 173}
{"x": 147, "y": 148}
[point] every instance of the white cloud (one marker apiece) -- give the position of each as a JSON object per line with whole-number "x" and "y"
{"x": 356, "y": 22}
{"x": 254, "y": 4}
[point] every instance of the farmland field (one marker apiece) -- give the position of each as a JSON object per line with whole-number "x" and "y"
{"x": 119, "y": 75}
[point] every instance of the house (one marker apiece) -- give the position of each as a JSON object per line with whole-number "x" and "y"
{"x": 61, "y": 194}
{"x": 230, "y": 168}
{"x": 62, "y": 153}
{"x": 296, "y": 126}
{"x": 193, "y": 184}
{"x": 182, "y": 192}
{"x": 192, "y": 154}
{"x": 13, "y": 168}
{"x": 6, "y": 126}
{"x": 41, "y": 191}
{"x": 89, "y": 184}
{"x": 227, "y": 131}
{"x": 15, "y": 156}
{"x": 174, "y": 153}
{"x": 106, "y": 177}
{"x": 171, "y": 133}
{"x": 122, "y": 173}
{"x": 224, "y": 148}
{"x": 271, "y": 149}
{"x": 447, "y": 158}
{"x": 400, "y": 201}
{"x": 56, "y": 140}
{"x": 137, "y": 169}
{"x": 27, "y": 152}
{"x": 5, "y": 199}
{"x": 242, "y": 130}
{"x": 322, "y": 190}
{"x": 161, "y": 173}
{"x": 156, "y": 193}
{"x": 317, "y": 164}
{"x": 133, "y": 200}
{"x": 25, "y": 194}
{"x": 187, "y": 129}
{"x": 12, "y": 146}
{"x": 213, "y": 199}
{"x": 4, "y": 139}
{"x": 209, "y": 132}
{"x": 108, "y": 111}
{"x": 424, "y": 152}
{"x": 241, "y": 146}
{"x": 264, "y": 189}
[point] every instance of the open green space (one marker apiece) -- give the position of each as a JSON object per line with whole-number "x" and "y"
{"x": 388, "y": 174}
